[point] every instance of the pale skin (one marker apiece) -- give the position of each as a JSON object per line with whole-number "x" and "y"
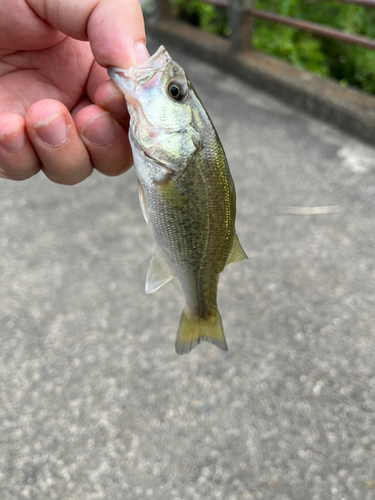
{"x": 59, "y": 113}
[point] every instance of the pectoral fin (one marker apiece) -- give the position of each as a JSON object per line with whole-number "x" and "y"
{"x": 143, "y": 203}
{"x": 236, "y": 252}
{"x": 158, "y": 272}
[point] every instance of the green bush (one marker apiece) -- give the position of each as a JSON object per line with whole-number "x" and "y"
{"x": 349, "y": 64}
{"x": 206, "y": 16}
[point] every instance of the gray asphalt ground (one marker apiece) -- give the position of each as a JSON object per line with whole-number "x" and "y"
{"x": 94, "y": 402}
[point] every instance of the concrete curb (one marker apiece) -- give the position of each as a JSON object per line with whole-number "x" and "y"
{"x": 350, "y": 110}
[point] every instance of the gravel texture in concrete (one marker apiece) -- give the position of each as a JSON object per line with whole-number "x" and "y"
{"x": 94, "y": 402}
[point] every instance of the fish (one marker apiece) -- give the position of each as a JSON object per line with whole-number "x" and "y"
{"x": 186, "y": 191}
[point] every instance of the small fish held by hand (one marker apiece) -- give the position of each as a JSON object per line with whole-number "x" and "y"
{"x": 186, "y": 191}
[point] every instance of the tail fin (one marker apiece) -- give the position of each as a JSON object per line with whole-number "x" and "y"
{"x": 194, "y": 329}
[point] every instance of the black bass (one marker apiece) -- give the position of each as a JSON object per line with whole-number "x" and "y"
{"x": 186, "y": 191}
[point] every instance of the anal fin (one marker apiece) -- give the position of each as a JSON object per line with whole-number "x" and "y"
{"x": 158, "y": 272}
{"x": 236, "y": 252}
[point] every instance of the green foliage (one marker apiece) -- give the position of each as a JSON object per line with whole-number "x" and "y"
{"x": 206, "y": 16}
{"x": 299, "y": 48}
{"x": 349, "y": 64}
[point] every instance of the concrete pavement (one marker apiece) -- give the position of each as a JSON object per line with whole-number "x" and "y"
{"x": 94, "y": 402}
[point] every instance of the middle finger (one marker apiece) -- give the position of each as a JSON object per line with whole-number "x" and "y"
{"x": 52, "y": 131}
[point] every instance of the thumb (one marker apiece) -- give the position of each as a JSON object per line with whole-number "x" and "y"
{"x": 114, "y": 28}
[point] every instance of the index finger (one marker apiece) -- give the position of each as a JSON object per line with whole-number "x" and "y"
{"x": 114, "y": 28}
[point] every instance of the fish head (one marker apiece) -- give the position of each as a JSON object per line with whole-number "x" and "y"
{"x": 163, "y": 109}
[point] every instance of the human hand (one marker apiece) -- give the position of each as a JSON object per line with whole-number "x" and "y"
{"x": 58, "y": 110}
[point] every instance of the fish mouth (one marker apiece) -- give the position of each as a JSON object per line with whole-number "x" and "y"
{"x": 127, "y": 79}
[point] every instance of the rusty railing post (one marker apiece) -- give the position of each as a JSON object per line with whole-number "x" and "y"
{"x": 162, "y": 10}
{"x": 236, "y": 25}
{"x": 248, "y": 26}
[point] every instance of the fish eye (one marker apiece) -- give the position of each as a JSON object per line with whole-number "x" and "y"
{"x": 177, "y": 91}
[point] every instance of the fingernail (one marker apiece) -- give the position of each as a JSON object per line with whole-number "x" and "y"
{"x": 15, "y": 141}
{"x": 53, "y": 131}
{"x": 116, "y": 104}
{"x": 100, "y": 129}
{"x": 141, "y": 53}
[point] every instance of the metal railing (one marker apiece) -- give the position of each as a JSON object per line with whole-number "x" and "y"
{"x": 241, "y": 14}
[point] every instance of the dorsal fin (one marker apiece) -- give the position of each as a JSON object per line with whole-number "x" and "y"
{"x": 236, "y": 252}
{"x": 158, "y": 272}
